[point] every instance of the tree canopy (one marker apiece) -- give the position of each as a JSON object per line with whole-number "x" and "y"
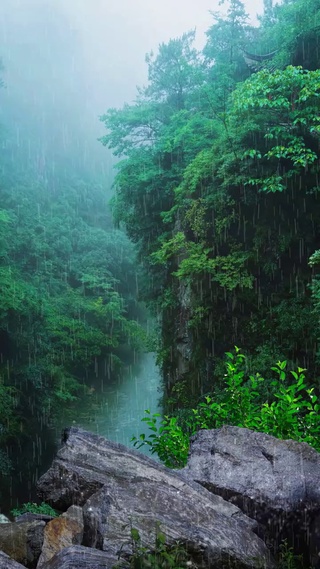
{"x": 218, "y": 183}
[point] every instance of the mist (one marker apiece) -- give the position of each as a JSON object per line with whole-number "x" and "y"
{"x": 66, "y": 63}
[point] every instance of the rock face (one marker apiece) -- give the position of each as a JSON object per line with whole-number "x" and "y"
{"x": 120, "y": 489}
{"x": 273, "y": 481}
{"x": 22, "y": 541}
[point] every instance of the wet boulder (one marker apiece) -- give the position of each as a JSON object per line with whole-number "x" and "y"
{"x": 80, "y": 557}
{"x": 7, "y": 563}
{"x": 120, "y": 489}
{"x": 275, "y": 482}
{"x": 22, "y": 541}
{"x": 209, "y": 538}
{"x": 62, "y": 532}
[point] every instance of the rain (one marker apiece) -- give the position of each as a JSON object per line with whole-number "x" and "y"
{"x": 134, "y": 252}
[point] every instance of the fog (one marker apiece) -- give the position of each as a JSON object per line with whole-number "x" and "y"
{"x": 117, "y": 35}
{"x": 67, "y": 61}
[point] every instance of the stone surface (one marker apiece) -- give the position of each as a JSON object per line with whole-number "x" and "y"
{"x": 62, "y": 532}
{"x": 211, "y": 539}
{"x": 126, "y": 488}
{"x": 7, "y": 563}
{"x": 22, "y": 541}
{"x": 4, "y": 519}
{"x": 79, "y": 557}
{"x": 276, "y": 482}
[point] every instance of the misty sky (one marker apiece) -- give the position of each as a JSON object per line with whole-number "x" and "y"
{"x": 66, "y": 62}
{"x": 118, "y": 33}
{"x": 115, "y": 35}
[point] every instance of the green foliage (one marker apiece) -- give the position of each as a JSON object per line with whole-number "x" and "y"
{"x": 167, "y": 439}
{"x": 228, "y": 270}
{"x": 62, "y": 300}
{"x": 314, "y": 261}
{"x": 33, "y": 508}
{"x": 292, "y": 29}
{"x": 161, "y": 556}
{"x": 67, "y": 281}
{"x": 9, "y": 424}
{"x": 287, "y": 559}
{"x": 291, "y": 411}
{"x": 286, "y": 106}
{"x": 218, "y": 186}
{"x": 164, "y": 556}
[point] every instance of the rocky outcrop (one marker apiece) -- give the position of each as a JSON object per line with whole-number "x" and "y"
{"x": 120, "y": 489}
{"x": 275, "y": 482}
{"x": 239, "y": 495}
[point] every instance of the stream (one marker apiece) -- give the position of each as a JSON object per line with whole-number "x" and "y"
{"x": 113, "y": 409}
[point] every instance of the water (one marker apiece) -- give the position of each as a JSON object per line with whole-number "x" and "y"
{"x": 113, "y": 409}
{"x": 118, "y": 406}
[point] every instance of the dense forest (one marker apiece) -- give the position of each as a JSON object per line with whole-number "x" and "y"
{"x": 68, "y": 278}
{"x": 218, "y": 185}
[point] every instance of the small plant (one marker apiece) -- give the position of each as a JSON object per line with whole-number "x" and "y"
{"x": 162, "y": 556}
{"x": 167, "y": 439}
{"x": 33, "y": 508}
{"x": 287, "y": 558}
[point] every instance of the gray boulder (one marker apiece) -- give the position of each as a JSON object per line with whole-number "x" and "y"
{"x": 275, "y": 482}
{"x": 210, "y": 538}
{"x": 22, "y": 541}
{"x": 119, "y": 487}
{"x": 7, "y": 563}
{"x": 79, "y": 557}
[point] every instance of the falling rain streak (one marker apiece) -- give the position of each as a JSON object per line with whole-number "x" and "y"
{"x": 158, "y": 234}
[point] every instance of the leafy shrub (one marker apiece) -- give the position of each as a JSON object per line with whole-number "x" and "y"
{"x": 167, "y": 439}
{"x": 290, "y": 412}
{"x": 33, "y": 508}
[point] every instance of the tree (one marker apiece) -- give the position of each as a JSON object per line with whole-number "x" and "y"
{"x": 222, "y": 196}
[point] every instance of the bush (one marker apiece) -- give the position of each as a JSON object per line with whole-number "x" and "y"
{"x": 290, "y": 412}
{"x": 33, "y": 508}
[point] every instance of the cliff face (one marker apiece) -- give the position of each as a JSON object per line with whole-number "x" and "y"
{"x": 178, "y": 346}
{"x": 177, "y": 336}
